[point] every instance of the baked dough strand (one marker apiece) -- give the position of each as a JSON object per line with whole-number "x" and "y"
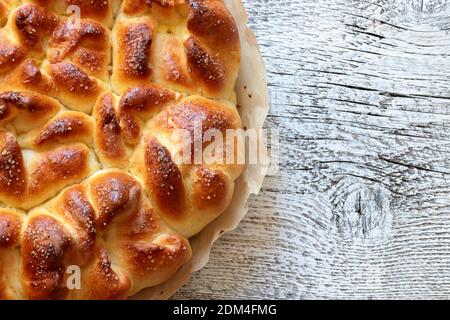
{"x": 90, "y": 171}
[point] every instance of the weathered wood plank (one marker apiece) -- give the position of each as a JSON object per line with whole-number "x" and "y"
{"x": 361, "y": 207}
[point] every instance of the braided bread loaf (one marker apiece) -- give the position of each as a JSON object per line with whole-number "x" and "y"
{"x": 92, "y": 174}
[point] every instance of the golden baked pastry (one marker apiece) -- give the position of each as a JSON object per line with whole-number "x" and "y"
{"x": 89, "y": 163}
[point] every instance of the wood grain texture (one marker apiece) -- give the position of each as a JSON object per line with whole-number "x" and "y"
{"x": 360, "y": 208}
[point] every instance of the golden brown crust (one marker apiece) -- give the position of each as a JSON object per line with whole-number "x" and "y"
{"x": 109, "y": 205}
{"x": 211, "y": 189}
{"x": 103, "y": 282}
{"x": 10, "y": 229}
{"x": 33, "y": 22}
{"x": 10, "y": 55}
{"x": 12, "y": 170}
{"x": 114, "y": 194}
{"x": 187, "y": 195}
{"x": 204, "y": 67}
{"x": 139, "y": 225}
{"x": 30, "y": 74}
{"x": 44, "y": 248}
{"x": 74, "y": 207}
{"x": 99, "y": 10}
{"x": 206, "y": 62}
{"x": 90, "y": 144}
{"x": 3, "y": 13}
{"x": 138, "y": 103}
{"x": 73, "y": 80}
{"x": 73, "y": 86}
{"x": 64, "y": 128}
{"x": 3, "y": 284}
{"x": 210, "y": 22}
{"x": 132, "y": 7}
{"x": 57, "y": 167}
{"x": 26, "y": 107}
{"x": 109, "y": 140}
{"x": 87, "y": 45}
{"x": 132, "y": 57}
{"x": 25, "y": 187}
{"x": 211, "y": 115}
{"x": 137, "y": 41}
{"x": 163, "y": 179}
{"x": 163, "y": 257}
{"x": 11, "y": 226}
{"x": 171, "y": 66}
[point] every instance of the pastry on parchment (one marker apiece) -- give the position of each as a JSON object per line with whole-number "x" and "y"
{"x": 89, "y": 164}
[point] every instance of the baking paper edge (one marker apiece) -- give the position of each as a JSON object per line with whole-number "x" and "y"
{"x": 253, "y": 99}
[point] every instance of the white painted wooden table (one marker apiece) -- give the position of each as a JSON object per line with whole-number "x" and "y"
{"x": 361, "y": 206}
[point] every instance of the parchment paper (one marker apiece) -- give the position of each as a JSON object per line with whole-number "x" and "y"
{"x": 253, "y": 110}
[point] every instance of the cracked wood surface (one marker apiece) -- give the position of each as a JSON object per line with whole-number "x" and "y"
{"x": 360, "y": 208}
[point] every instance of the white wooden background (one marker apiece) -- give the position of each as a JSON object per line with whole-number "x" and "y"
{"x": 361, "y": 206}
